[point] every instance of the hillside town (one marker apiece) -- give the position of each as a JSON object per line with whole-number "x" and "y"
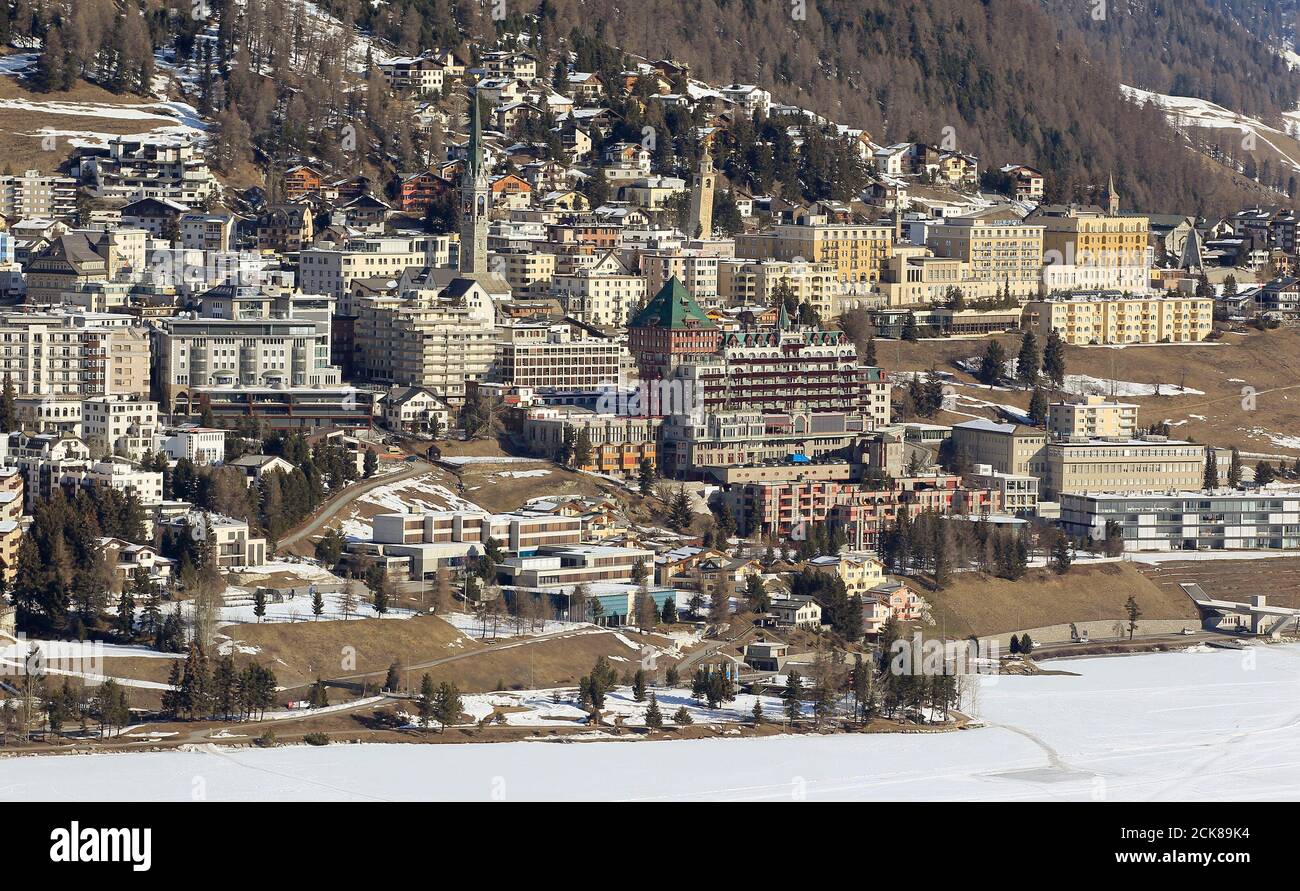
{"x": 572, "y": 393}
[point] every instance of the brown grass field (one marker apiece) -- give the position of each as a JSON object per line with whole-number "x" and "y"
{"x": 1268, "y": 362}
{"x": 979, "y": 604}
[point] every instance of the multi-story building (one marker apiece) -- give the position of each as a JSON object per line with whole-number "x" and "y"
{"x": 207, "y": 231}
{"x": 59, "y": 353}
{"x": 1092, "y": 417}
{"x": 619, "y": 443}
{"x": 36, "y": 195}
{"x": 43, "y": 459}
{"x": 1110, "y": 317}
{"x": 858, "y": 252}
{"x": 1006, "y": 448}
{"x": 788, "y": 368}
{"x": 1003, "y": 254}
{"x": 1017, "y": 492}
{"x": 605, "y": 294}
{"x": 201, "y": 445}
{"x": 669, "y": 330}
{"x": 547, "y": 356}
{"x": 706, "y": 443}
{"x": 1188, "y": 520}
{"x": 234, "y": 545}
{"x": 331, "y": 271}
{"x": 754, "y": 283}
{"x": 121, "y": 475}
{"x": 196, "y": 354}
{"x": 418, "y": 75}
{"x": 781, "y": 508}
{"x": 1088, "y": 247}
{"x": 439, "y": 340}
{"x": 698, "y": 270}
{"x": 149, "y": 167}
{"x": 1150, "y": 464}
{"x": 119, "y": 425}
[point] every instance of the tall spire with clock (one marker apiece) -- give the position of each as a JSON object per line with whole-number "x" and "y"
{"x": 475, "y": 198}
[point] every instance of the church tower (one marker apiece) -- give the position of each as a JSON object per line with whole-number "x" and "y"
{"x": 1112, "y": 198}
{"x": 475, "y": 198}
{"x": 703, "y": 182}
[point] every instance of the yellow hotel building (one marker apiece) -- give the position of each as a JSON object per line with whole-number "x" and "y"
{"x": 1103, "y": 318}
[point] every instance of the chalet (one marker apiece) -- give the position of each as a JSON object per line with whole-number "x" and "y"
{"x": 300, "y": 180}
{"x": 419, "y": 190}
{"x": 285, "y": 228}
{"x": 415, "y": 410}
{"x": 511, "y": 191}
{"x": 367, "y": 213}
{"x": 160, "y": 217}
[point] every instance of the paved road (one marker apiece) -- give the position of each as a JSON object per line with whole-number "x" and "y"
{"x": 349, "y": 495}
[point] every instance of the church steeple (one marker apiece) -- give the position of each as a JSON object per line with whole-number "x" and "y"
{"x": 474, "y": 197}
{"x": 1112, "y": 198}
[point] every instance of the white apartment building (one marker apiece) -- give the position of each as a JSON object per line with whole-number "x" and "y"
{"x": 698, "y": 271}
{"x": 193, "y": 353}
{"x": 1187, "y": 521}
{"x": 1092, "y": 418}
{"x": 202, "y": 445}
{"x": 149, "y": 167}
{"x": 331, "y": 271}
{"x": 119, "y": 425}
{"x": 122, "y": 475}
{"x": 543, "y": 355}
{"x": 439, "y": 340}
{"x": 61, "y": 353}
{"x": 36, "y": 195}
{"x": 600, "y": 298}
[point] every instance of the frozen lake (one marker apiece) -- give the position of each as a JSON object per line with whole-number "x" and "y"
{"x": 1202, "y": 725}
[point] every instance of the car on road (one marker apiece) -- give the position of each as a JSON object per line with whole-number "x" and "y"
{"x": 1187, "y": 632}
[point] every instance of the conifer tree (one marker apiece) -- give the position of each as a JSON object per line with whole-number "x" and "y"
{"x": 654, "y": 719}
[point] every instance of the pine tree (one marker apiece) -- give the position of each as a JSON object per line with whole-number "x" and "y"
{"x": 426, "y": 703}
{"x": 1054, "y": 359}
{"x": 447, "y": 705}
{"x": 638, "y": 685}
{"x": 654, "y": 719}
{"x": 259, "y": 603}
{"x": 682, "y": 717}
{"x": 1211, "y": 481}
{"x": 1134, "y": 613}
{"x": 1028, "y": 361}
{"x": 8, "y": 409}
{"x": 793, "y": 693}
{"x": 1038, "y": 407}
{"x": 1061, "y": 555}
{"x": 317, "y": 604}
{"x": 680, "y": 514}
{"x": 393, "y": 679}
{"x": 991, "y": 366}
{"x": 646, "y": 476}
{"x": 1234, "y": 469}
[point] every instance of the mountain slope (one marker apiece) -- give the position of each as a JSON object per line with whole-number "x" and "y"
{"x": 1011, "y": 80}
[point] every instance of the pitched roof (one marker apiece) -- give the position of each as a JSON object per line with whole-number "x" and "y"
{"x": 672, "y": 307}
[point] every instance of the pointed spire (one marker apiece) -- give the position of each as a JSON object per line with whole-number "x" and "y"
{"x": 474, "y": 161}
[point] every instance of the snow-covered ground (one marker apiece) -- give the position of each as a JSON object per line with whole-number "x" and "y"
{"x": 1200, "y": 725}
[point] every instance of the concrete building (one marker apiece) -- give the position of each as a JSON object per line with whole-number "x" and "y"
{"x": 1003, "y": 254}
{"x": 1018, "y": 492}
{"x": 201, "y": 445}
{"x": 61, "y": 353}
{"x": 546, "y": 356}
{"x": 1111, "y": 317}
{"x": 440, "y": 340}
{"x": 36, "y": 195}
{"x": 247, "y": 348}
{"x": 123, "y": 426}
{"x": 753, "y": 283}
{"x": 858, "y": 252}
{"x": 619, "y": 443}
{"x": 1150, "y": 464}
{"x": 332, "y": 270}
{"x": 149, "y": 167}
{"x": 1092, "y": 417}
{"x": 1188, "y": 520}
{"x": 1006, "y": 448}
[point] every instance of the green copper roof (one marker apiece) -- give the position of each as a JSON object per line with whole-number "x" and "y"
{"x": 672, "y": 307}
